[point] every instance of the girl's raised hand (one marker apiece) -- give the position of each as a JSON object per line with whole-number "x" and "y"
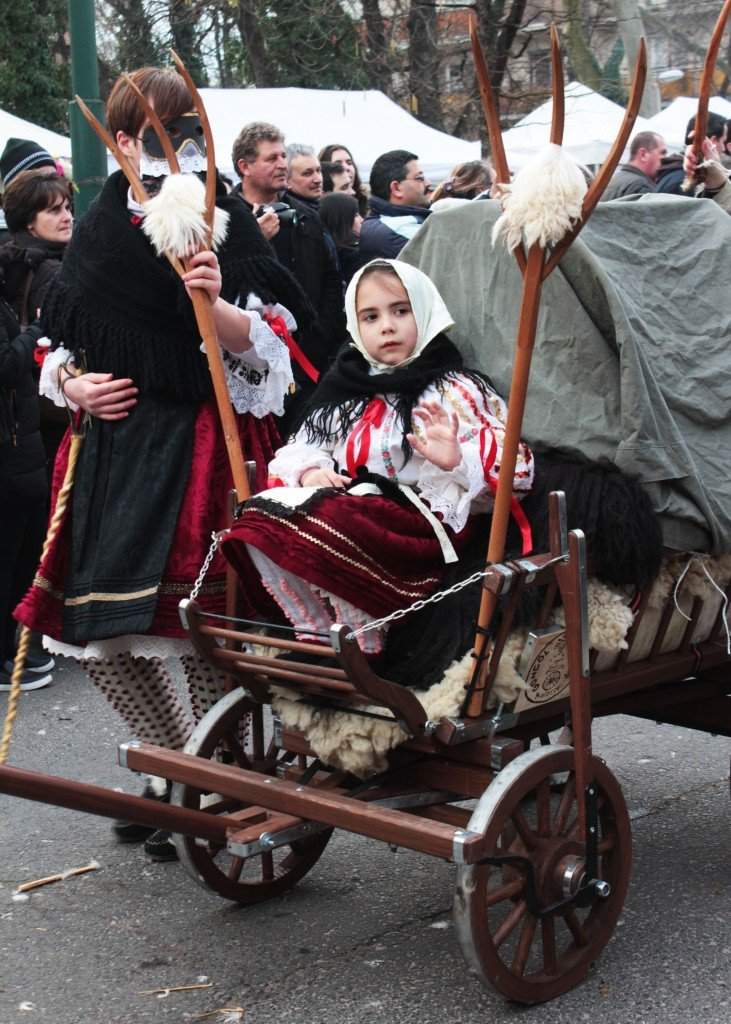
{"x": 205, "y": 274}
{"x": 440, "y": 443}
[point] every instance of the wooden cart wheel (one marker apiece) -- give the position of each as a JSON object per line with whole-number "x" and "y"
{"x": 244, "y": 880}
{"x": 528, "y": 958}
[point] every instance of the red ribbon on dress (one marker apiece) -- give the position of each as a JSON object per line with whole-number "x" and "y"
{"x": 279, "y": 326}
{"x": 358, "y": 447}
{"x": 488, "y": 460}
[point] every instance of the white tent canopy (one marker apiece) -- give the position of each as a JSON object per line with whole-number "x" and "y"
{"x": 673, "y": 120}
{"x": 367, "y": 122}
{"x": 591, "y": 126}
{"x": 12, "y": 127}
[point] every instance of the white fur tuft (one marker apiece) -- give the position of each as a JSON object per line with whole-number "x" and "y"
{"x": 543, "y": 202}
{"x": 174, "y": 219}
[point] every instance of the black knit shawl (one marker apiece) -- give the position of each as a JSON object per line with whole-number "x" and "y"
{"x": 348, "y": 387}
{"x": 121, "y": 309}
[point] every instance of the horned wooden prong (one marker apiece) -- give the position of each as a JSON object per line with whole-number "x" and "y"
{"x": 600, "y": 182}
{"x": 208, "y": 136}
{"x": 492, "y": 122}
{"x": 709, "y": 66}
{"x": 159, "y": 127}
{"x": 557, "y": 85}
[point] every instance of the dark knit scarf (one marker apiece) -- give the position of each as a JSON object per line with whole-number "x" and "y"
{"x": 348, "y": 387}
{"x": 20, "y": 258}
{"x": 121, "y": 309}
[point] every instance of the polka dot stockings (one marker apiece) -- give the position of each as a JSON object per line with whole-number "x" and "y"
{"x": 144, "y": 695}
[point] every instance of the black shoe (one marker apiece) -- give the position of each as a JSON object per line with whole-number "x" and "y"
{"x": 160, "y": 846}
{"x": 35, "y": 664}
{"x": 28, "y": 681}
{"x": 132, "y": 831}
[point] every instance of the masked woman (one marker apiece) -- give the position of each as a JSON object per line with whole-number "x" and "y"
{"x": 152, "y": 478}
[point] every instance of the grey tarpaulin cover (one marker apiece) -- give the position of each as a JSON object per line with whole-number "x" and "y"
{"x": 632, "y": 358}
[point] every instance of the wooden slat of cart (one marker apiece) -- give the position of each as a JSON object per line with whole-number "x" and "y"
{"x": 391, "y": 826}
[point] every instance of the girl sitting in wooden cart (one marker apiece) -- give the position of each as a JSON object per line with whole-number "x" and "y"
{"x": 375, "y": 493}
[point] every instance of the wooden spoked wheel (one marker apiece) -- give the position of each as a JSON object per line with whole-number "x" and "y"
{"x": 242, "y": 879}
{"x": 527, "y": 956}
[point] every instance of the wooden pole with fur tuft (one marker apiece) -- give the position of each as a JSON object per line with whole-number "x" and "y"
{"x": 701, "y": 117}
{"x": 535, "y": 272}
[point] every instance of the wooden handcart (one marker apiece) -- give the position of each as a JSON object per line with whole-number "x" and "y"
{"x": 539, "y": 835}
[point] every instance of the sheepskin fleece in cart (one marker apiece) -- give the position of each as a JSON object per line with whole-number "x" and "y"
{"x": 361, "y": 745}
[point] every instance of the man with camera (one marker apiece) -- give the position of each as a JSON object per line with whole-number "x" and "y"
{"x": 294, "y": 230}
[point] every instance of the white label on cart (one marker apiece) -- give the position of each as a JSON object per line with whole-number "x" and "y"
{"x": 544, "y": 666}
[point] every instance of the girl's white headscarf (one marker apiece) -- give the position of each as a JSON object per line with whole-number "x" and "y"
{"x": 430, "y": 312}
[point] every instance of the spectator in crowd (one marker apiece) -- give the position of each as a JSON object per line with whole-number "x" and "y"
{"x": 20, "y": 155}
{"x": 671, "y": 175}
{"x": 716, "y": 184}
{"x": 341, "y": 219}
{"x": 638, "y": 176}
{"x": 24, "y": 485}
{"x": 467, "y": 181}
{"x": 335, "y": 153}
{"x": 304, "y": 176}
{"x": 398, "y": 205}
{"x": 335, "y": 178}
{"x": 260, "y": 160}
{"x": 37, "y": 206}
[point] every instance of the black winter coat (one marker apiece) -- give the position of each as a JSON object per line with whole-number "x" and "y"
{"x": 303, "y": 250}
{"x": 377, "y": 239}
{"x": 27, "y": 267}
{"x": 22, "y": 455}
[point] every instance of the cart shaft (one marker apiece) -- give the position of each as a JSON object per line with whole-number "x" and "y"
{"x": 80, "y": 796}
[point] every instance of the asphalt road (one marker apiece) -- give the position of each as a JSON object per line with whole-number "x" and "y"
{"x": 367, "y": 936}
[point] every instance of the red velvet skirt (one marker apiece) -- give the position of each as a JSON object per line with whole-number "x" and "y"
{"x": 366, "y": 549}
{"x": 204, "y": 509}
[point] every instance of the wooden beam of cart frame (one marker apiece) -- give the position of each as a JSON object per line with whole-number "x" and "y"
{"x": 201, "y": 305}
{"x": 537, "y": 268}
{"x": 709, "y": 66}
{"x": 309, "y": 802}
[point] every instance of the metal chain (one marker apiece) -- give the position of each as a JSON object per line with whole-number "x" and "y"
{"x": 205, "y": 567}
{"x": 418, "y": 605}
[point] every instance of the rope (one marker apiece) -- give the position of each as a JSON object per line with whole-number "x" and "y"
{"x": 25, "y": 634}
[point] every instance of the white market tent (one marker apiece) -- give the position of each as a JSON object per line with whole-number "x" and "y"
{"x": 12, "y": 127}
{"x": 591, "y": 125}
{"x": 673, "y": 120}
{"x": 367, "y": 122}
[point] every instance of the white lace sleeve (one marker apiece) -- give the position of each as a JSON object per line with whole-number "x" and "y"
{"x": 48, "y": 385}
{"x": 295, "y": 458}
{"x": 454, "y": 493}
{"x": 259, "y": 378}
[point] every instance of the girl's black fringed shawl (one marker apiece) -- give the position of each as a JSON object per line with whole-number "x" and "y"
{"x": 348, "y": 387}
{"x": 123, "y": 310}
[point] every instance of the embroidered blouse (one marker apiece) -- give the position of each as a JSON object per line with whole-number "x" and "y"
{"x": 375, "y": 442}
